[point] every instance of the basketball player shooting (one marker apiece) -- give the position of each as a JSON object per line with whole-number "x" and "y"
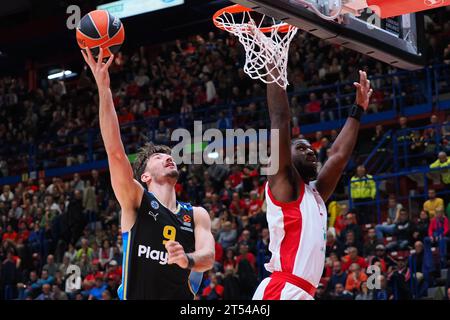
{"x": 296, "y": 196}
{"x": 163, "y": 239}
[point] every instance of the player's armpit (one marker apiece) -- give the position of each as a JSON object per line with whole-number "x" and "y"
{"x": 127, "y": 190}
{"x": 204, "y": 241}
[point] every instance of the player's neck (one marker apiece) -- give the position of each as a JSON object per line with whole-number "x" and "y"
{"x": 165, "y": 193}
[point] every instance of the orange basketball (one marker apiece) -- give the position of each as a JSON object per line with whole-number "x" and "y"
{"x": 100, "y": 29}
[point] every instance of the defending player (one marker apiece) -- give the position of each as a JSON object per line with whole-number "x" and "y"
{"x": 296, "y": 196}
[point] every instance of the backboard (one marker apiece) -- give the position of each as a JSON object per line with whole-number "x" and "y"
{"x": 397, "y": 41}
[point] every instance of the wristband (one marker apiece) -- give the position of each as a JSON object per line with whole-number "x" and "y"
{"x": 191, "y": 261}
{"x": 356, "y": 112}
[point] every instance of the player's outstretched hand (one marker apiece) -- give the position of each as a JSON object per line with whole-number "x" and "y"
{"x": 176, "y": 254}
{"x": 99, "y": 68}
{"x": 363, "y": 90}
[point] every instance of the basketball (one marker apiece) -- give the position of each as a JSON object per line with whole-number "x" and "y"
{"x": 98, "y": 29}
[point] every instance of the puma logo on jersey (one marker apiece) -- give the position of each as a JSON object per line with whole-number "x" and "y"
{"x": 154, "y": 215}
{"x": 156, "y": 255}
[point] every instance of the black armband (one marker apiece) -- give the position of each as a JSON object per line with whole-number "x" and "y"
{"x": 356, "y": 112}
{"x": 191, "y": 261}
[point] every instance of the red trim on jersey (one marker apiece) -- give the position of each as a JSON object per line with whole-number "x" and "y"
{"x": 292, "y": 219}
{"x": 296, "y": 281}
{"x": 284, "y": 204}
{"x": 273, "y": 290}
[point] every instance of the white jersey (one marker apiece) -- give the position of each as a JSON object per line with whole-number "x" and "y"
{"x": 298, "y": 234}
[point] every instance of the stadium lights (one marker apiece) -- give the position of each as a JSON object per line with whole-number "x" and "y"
{"x": 63, "y": 73}
{"x": 213, "y": 155}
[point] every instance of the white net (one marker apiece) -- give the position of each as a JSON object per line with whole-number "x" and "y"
{"x": 266, "y": 54}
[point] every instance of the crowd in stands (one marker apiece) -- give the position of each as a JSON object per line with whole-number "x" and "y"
{"x": 48, "y": 127}
{"x": 61, "y": 237}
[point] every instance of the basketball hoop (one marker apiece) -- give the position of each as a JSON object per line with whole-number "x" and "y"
{"x": 266, "y": 43}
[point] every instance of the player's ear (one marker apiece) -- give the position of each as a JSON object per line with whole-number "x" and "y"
{"x": 145, "y": 177}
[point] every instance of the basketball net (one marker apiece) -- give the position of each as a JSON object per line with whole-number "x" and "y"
{"x": 266, "y": 48}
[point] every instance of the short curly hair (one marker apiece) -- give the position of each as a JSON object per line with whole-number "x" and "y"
{"x": 144, "y": 153}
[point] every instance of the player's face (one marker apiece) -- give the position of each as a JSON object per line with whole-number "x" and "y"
{"x": 304, "y": 159}
{"x": 162, "y": 165}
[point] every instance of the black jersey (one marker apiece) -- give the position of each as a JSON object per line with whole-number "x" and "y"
{"x": 146, "y": 274}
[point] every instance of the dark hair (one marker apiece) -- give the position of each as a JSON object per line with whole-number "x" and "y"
{"x": 145, "y": 152}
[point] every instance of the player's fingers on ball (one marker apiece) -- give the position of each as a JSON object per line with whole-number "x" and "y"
{"x": 109, "y": 62}
{"x": 89, "y": 54}
{"x": 84, "y": 56}
{"x": 100, "y": 57}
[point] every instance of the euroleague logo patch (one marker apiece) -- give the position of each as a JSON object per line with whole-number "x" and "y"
{"x": 154, "y": 204}
{"x": 187, "y": 218}
{"x": 432, "y": 3}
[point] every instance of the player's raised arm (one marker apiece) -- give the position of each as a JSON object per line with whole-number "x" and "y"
{"x": 345, "y": 142}
{"x": 127, "y": 190}
{"x": 284, "y": 185}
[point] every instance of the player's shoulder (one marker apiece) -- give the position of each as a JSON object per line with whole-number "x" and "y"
{"x": 200, "y": 213}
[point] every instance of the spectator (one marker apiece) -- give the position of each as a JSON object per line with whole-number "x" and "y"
{"x": 96, "y": 292}
{"x": 422, "y": 225}
{"x": 432, "y": 203}
{"x": 321, "y": 293}
{"x": 422, "y": 268}
{"x": 51, "y": 266}
{"x": 246, "y": 271}
{"x": 25, "y": 288}
{"x": 351, "y": 225}
{"x": 85, "y": 249}
{"x": 214, "y": 291}
{"x": 224, "y": 122}
{"x": 7, "y": 196}
{"x": 45, "y": 279}
{"x": 162, "y": 134}
{"x": 105, "y": 253}
{"x": 402, "y": 229}
{"x": 10, "y": 234}
{"x": 46, "y": 293}
{"x": 263, "y": 254}
{"x": 393, "y": 209}
{"x": 57, "y": 294}
{"x": 314, "y": 107}
{"x": 246, "y": 255}
{"x": 400, "y": 280}
{"x": 363, "y": 189}
{"x": 416, "y": 149}
{"x": 350, "y": 241}
{"x": 384, "y": 293}
{"x": 333, "y": 244}
{"x": 364, "y": 293}
{"x": 338, "y": 276}
{"x": 371, "y": 243}
{"x": 352, "y": 257}
{"x": 340, "y": 293}
{"x": 317, "y": 144}
{"x": 227, "y": 236}
{"x": 71, "y": 253}
{"x": 443, "y": 162}
{"x": 355, "y": 278}
{"x": 438, "y": 233}
{"x": 9, "y": 276}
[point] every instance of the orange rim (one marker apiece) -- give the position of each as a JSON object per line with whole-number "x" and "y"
{"x": 237, "y": 8}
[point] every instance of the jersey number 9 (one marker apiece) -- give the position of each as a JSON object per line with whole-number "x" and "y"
{"x": 169, "y": 233}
